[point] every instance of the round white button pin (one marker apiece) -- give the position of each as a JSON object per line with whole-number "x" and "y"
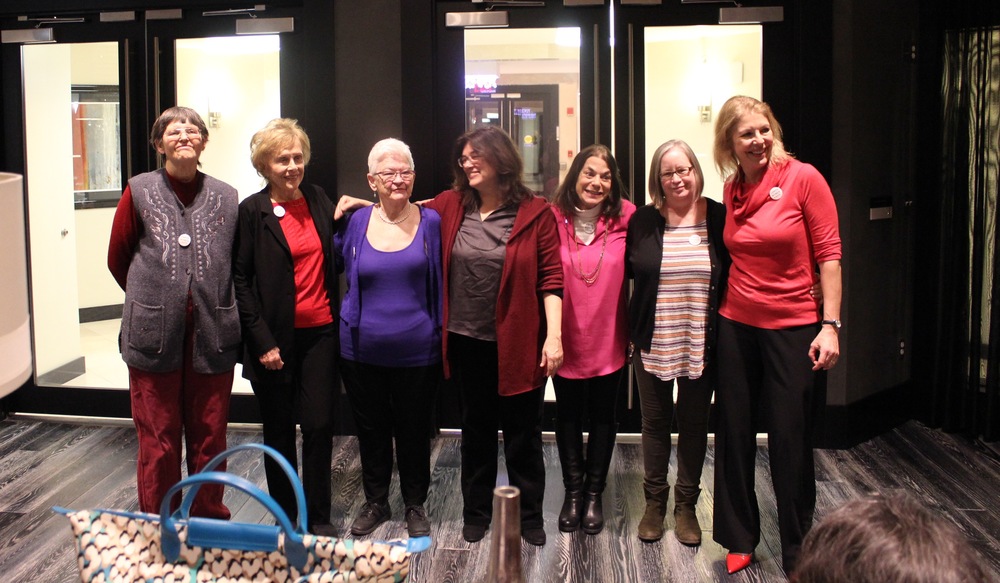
{"x": 279, "y": 211}
{"x": 775, "y": 193}
{"x": 184, "y": 239}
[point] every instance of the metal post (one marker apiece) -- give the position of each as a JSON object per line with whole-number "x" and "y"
{"x": 505, "y": 544}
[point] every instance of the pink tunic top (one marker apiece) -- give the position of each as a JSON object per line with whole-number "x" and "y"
{"x": 594, "y": 324}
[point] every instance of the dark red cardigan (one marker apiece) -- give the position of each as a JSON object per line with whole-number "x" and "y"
{"x": 531, "y": 267}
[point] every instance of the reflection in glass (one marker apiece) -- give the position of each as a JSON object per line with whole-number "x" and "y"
{"x": 97, "y": 168}
{"x": 527, "y": 81}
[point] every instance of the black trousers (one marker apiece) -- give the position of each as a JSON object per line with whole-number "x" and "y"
{"x": 656, "y": 403}
{"x": 308, "y": 400}
{"x": 474, "y": 367}
{"x": 594, "y": 399}
{"x": 393, "y": 402}
{"x": 765, "y": 377}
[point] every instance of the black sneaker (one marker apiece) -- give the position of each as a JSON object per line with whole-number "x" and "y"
{"x": 372, "y": 514}
{"x": 416, "y": 521}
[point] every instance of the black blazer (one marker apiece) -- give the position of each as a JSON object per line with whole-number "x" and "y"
{"x": 643, "y": 256}
{"x": 265, "y": 282}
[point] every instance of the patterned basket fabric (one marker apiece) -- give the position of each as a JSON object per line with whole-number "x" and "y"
{"x": 124, "y": 546}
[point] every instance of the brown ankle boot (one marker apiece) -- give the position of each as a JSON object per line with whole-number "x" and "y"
{"x": 687, "y": 529}
{"x": 651, "y": 525}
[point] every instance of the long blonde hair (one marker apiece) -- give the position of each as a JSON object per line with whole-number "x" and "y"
{"x": 729, "y": 117}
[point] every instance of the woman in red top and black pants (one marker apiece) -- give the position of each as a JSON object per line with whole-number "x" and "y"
{"x": 286, "y": 290}
{"x": 781, "y": 222}
{"x": 502, "y": 313}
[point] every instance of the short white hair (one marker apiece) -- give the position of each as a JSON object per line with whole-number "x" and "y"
{"x": 385, "y": 148}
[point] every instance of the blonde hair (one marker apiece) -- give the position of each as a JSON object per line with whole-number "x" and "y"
{"x": 729, "y": 117}
{"x": 278, "y": 134}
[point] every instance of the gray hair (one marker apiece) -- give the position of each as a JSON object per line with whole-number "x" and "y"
{"x": 385, "y": 148}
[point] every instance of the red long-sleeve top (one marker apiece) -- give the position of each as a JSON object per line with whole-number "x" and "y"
{"x": 776, "y": 232}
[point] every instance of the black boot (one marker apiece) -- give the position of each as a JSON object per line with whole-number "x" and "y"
{"x": 569, "y": 440}
{"x": 600, "y": 447}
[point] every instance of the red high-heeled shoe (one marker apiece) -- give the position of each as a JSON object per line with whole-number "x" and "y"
{"x": 737, "y": 562}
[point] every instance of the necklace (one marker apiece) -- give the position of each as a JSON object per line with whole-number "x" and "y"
{"x": 588, "y": 278}
{"x": 385, "y": 218}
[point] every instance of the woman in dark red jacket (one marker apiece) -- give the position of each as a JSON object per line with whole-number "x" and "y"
{"x": 502, "y": 312}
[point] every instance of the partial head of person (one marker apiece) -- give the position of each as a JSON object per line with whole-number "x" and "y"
{"x": 391, "y": 171}
{"x": 748, "y": 137}
{"x": 280, "y": 152}
{"x": 180, "y": 135}
{"x": 887, "y": 539}
{"x": 593, "y": 180}
{"x": 488, "y": 161}
{"x": 675, "y": 175}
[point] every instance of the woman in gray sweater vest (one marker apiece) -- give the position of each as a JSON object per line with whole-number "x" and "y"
{"x": 170, "y": 250}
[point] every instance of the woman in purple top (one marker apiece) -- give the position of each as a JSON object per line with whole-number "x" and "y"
{"x": 390, "y": 336}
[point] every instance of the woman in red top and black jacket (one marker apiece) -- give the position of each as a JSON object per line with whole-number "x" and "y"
{"x": 502, "y": 313}
{"x": 286, "y": 291}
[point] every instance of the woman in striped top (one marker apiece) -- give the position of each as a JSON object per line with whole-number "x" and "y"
{"x": 676, "y": 256}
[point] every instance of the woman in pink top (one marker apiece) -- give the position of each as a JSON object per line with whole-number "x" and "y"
{"x": 781, "y": 222}
{"x": 593, "y": 216}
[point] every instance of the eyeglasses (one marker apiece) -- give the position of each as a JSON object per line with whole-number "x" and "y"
{"x": 388, "y": 176}
{"x": 473, "y": 159}
{"x": 191, "y": 133}
{"x": 679, "y": 172}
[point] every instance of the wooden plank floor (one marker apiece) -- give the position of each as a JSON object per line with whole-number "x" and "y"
{"x": 93, "y": 466}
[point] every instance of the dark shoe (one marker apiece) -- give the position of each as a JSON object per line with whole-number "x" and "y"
{"x": 572, "y": 509}
{"x": 533, "y": 535}
{"x": 593, "y": 513}
{"x": 372, "y": 514}
{"x": 323, "y": 530}
{"x": 416, "y": 521}
{"x": 737, "y": 562}
{"x": 473, "y": 533}
{"x": 687, "y": 529}
{"x": 651, "y": 524}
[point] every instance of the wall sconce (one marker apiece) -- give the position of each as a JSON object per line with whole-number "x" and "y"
{"x": 705, "y": 113}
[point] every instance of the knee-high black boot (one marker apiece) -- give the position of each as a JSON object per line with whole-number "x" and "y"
{"x": 569, "y": 440}
{"x": 600, "y": 447}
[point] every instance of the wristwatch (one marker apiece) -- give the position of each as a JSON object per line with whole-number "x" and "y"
{"x": 835, "y": 323}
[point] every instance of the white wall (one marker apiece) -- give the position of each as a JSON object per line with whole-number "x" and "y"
{"x": 49, "y": 155}
{"x": 96, "y": 286}
{"x": 691, "y": 66}
{"x": 239, "y": 78}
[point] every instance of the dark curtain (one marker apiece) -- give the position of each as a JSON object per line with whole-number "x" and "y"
{"x": 963, "y": 387}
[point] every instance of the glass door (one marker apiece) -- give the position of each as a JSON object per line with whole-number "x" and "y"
{"x": 529, "y": 113}
{"x": 88, "y": 108}
{"x": 539, "y": 79}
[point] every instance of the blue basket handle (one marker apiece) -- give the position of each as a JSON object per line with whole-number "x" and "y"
{"x": 293, "y": 477}
{"x": 170, "y": 541}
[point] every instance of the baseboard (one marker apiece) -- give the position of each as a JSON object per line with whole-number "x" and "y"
{"x": 65, "y": 373}
{"x": 99, "y": 313}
